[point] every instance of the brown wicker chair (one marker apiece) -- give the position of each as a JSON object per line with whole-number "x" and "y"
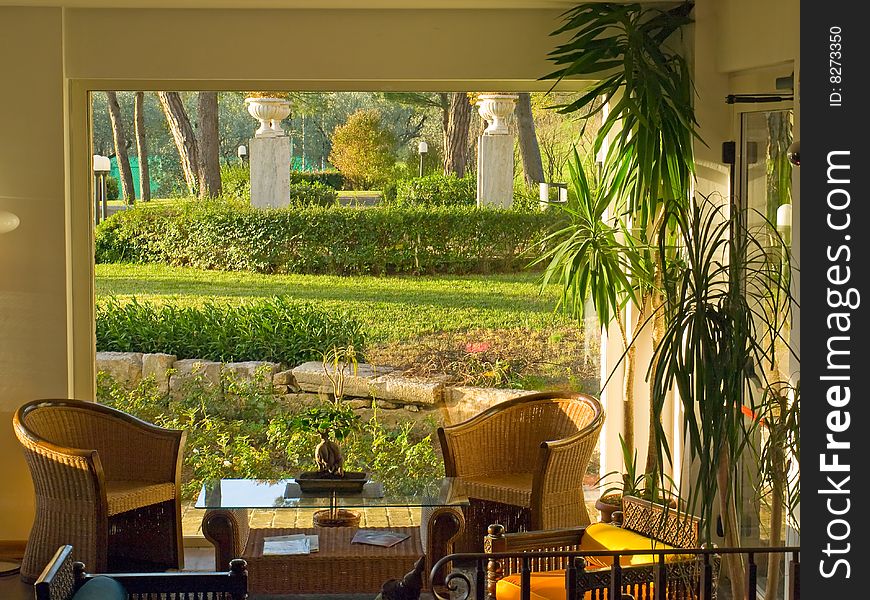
{"x": 105, "y": 482}
{"x": 521, "y": 463}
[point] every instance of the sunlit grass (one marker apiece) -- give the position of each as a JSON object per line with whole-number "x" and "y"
{"x": 390, "y": 308}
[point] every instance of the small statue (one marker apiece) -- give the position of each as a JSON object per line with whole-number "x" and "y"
{"x": 408, "y": 588}
{"x": 328, "y": 456}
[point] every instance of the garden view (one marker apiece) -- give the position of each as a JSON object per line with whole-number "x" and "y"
{"x": 382, "y": 252}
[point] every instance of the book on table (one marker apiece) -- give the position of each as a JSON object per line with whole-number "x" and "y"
{"x": 376, "y": 537}
{"x": 297, "y": 543}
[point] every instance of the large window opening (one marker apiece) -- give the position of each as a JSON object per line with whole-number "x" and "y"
{"x": 222, "y": 299}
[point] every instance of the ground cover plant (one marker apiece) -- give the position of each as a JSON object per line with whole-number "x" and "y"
{"x": 276, "y": 329}
{"x": 244, "y": 430}
{"x": 407, "y": 321}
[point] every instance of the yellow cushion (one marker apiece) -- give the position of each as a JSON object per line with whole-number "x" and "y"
{"x": 604, "y": 536}
{"x": 547, "y": 585}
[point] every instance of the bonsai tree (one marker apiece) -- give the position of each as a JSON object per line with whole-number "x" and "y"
{"x": 334, "y": 419}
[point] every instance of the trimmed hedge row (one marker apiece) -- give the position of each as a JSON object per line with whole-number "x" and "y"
{"x": 337, "y": 240}
{"x": 275, "y": 329}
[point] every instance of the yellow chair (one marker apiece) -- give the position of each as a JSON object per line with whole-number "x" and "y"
{"x": 645, "y": 526}
{"x": 105, "y": 482}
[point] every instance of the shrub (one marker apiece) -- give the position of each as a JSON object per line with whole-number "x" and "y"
{"x": 332, "y": 178}
{"x": 336, "y": 240}
{"x": 244, "y": 430}
{"x": 113, "y": 190}
{"x": 437, "y": 190}
{"x": 312, "y": 194}
{"x": 275, "y": 329}
{"x": 236, "y": 181}
{"x": 362, "y": 149}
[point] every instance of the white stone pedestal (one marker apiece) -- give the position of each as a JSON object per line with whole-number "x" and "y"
{"x": 495, "y": 151}
{"x": 270, "y": 171}
{"x": 495, "y": 170}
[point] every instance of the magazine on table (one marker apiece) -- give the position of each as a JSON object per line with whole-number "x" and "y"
{"x": 297, "y": 543}
{"x": 376, "y": 537}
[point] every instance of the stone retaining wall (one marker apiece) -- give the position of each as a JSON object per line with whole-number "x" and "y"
{"x": 397, "y": 397}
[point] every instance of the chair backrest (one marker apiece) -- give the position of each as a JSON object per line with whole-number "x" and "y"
{"x": 77, "y": 425}
{"x": 529, "y": 421}
{"x": 662, "y": 523}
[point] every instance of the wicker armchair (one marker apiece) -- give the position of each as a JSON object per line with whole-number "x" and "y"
{"x": 521, "y": 463}
{"x": 105, "y": 482}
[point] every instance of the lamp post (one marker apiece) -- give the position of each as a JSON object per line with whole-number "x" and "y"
{"x": 102, "y": 166}
{"x": 422, "y": 149}
{"x": 242, "y": 153}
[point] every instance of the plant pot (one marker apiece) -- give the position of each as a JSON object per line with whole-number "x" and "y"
{"x": 269, "y": 112}
{"x": 607, "y": 505}
{"x": 336, "y": 518}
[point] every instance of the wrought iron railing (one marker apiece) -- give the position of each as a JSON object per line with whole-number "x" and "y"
{"x": 675, "y": 574}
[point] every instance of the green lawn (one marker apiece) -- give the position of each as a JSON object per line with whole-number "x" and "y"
{"x": 391, "y": 308}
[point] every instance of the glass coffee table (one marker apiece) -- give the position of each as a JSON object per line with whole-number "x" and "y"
{"x": 338, "y": 566}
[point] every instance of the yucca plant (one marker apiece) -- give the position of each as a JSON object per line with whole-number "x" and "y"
{"x": 728, "y": 305}
{"x": 648, "y": 90}
{"x": 594, "y": 257}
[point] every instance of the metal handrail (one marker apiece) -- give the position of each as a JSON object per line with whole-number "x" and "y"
{"x": 703, "y": 588}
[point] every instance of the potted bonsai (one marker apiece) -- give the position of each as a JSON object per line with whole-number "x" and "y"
{"x": 333, "y": 421}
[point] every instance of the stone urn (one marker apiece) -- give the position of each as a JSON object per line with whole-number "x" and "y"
{"x": 495, "y": 110}
{"x": 269, "y": 112}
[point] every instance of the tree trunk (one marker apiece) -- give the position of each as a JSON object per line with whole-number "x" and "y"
{"x": 209, "y": 145}
{"x": 120, "y": 138}
{"x": 183, "y": 135}
{"x": 456, "y": 148}
{"x": 627, "y": 384}
{"x": 728, "y": 510}
{"x": 777, "y": 499}
{"x": 142, "y": 147}
{"x": 533, "y": 168}
{"x": 444, "y": 97}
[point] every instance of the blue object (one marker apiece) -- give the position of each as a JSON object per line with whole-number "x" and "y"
{"x": 101, "y": 588}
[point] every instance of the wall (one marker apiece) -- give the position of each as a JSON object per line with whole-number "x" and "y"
{"x": 33, "y": 291}
{"x": 51, "y": 57}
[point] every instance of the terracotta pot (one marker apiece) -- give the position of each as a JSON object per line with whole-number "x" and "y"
{"x": 607, "y": 505}
{"x": 336, "y": 518}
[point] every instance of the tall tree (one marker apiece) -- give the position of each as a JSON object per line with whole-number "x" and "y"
{"x": 456, "y": 144}
{"x": 533, "y": 169}
{"x": 121, "y": 156}
{"x": 184, "y": 137}
{"x": 141, "y": 146}
{"x": 208, "y": 141}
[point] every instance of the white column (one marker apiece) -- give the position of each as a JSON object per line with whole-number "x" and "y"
{"x": 269, "y": 153}
{"x": 495, "y": 152}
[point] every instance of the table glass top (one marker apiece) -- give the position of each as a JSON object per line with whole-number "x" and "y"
{"x": 285, "y": 493}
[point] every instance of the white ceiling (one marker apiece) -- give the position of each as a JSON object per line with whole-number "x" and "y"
{"x": 304, "y": 4}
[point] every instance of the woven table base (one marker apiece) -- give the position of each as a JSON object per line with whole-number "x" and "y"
{"x": 339, "y": 567}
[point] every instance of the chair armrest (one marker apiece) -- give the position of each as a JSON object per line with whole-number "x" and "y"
{"x": 557, "y": 485}
{"x": 497, "y": 540}
{"x": 228, "y": 530}
{"x": 57, "y": 581}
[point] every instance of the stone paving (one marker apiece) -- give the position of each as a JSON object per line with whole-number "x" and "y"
{"x": 191, "y": 518}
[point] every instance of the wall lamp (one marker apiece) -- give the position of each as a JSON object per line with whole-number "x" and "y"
{"x": 8, "y": 221}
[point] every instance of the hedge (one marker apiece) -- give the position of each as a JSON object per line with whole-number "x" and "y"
{"x": 333, "y": 179}
{"x": 275, "y": 329}
{"x": 437, "y": 190}
{"x": 336, "y": 240}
